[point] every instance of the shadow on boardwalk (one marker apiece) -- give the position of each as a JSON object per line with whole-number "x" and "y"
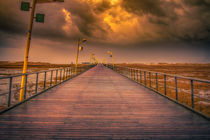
{"x": 101, "y": 104}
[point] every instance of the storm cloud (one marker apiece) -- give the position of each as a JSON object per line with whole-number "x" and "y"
{"x": 111, "y": 21}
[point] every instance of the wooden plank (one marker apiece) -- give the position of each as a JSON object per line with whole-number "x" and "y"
{"x": 101, "y": 104}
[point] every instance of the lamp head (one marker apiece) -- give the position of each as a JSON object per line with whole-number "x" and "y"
{"x": 80, "y": 48}
{"x": 84, "y": 40}
{"x": 109, "y": 52}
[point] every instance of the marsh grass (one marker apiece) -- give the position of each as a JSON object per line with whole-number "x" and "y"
{"x": 183, "y": 95}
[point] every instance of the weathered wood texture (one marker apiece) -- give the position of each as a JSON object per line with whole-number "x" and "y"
{"x": 101, "y": 104}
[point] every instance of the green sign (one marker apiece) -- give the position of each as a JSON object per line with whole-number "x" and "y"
{"x": 40, "y": 17}
{"x": 25, "y": 6}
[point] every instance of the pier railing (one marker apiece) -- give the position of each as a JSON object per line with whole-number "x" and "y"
{"x": 191, "y": 93}
{"x": 36, "y": 83}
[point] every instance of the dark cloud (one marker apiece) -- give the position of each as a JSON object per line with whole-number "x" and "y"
{"x": 86, "y": 17}
{"x": 122, "y": 25}
{"x": 181, "y": 20}
{"x": 102, "y": 6}
{"x": 144, "y": 7}
{"x": 205, "y": 3}
{"x": 198, "y": 15}
{"x": 10, "y": 20}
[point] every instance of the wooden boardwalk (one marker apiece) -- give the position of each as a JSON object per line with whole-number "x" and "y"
{"x": 101, "y": 104}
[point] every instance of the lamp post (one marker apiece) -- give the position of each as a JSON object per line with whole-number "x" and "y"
{"x": 111, "y": 54}
{"x": 26, "y": 7}
{"x": 79, "y": 48}
{"x": 104, "y": 61}
{"x": 95, "y": 60}
{"x": 91, "y": 57}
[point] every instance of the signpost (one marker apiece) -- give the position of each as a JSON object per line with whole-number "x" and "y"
{"x": 40, "y": 18}
{"x": 25, "y": 6}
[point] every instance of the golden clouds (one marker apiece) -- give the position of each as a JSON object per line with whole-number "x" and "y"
{"x": 68, "y": 20}
{"x": 121, "y": 23}
{"x": 129, "y": 21}
{"x": 114, "y": 1}
{"x": 112, "y": 22}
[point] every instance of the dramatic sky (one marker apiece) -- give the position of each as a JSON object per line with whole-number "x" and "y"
{"x": 142, "y": 31}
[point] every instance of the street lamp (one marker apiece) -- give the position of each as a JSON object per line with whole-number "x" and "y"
{"x": 25, "y": 6}
{"x": 104, "y": 61}
{"x": 91, "y": 57}
{"x": 95, "y": 60}
{"x": 111, "y": 54}
{"x": 79, "y": 48}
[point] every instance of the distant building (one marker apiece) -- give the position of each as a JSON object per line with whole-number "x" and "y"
{"x": 85, "y": 62}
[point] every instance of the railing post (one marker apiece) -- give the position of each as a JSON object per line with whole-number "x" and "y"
{"x": 25, "y": 89}
{"x": 192, "y": 93}
{"x": 45, "y": 73}
{"x": 37, "y": 78}
{"x": 69, "y": 73}
{"x": 150, "y": 83}
{"x": 133, "y": 74}
{"x": 156, "y": 81}
{"x": 128, "y": 72}
{"x": 60, "y": 75}
{"x": 64, "y": 71}
{"x": 137, "y": 76}
{"x": 165, "y": 84}
{"x": 140, "y": 77}
{"x": 51, "y": 78}
{"x": 56, "y": 77}
{"x": 176, "y": 90}
{"x": 145, "y": 78}
{"x": 10, "y": 91}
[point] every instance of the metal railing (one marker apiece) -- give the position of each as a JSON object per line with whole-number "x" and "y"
{"x": 191, "y": 93}
{"x": 35, "y": 83}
